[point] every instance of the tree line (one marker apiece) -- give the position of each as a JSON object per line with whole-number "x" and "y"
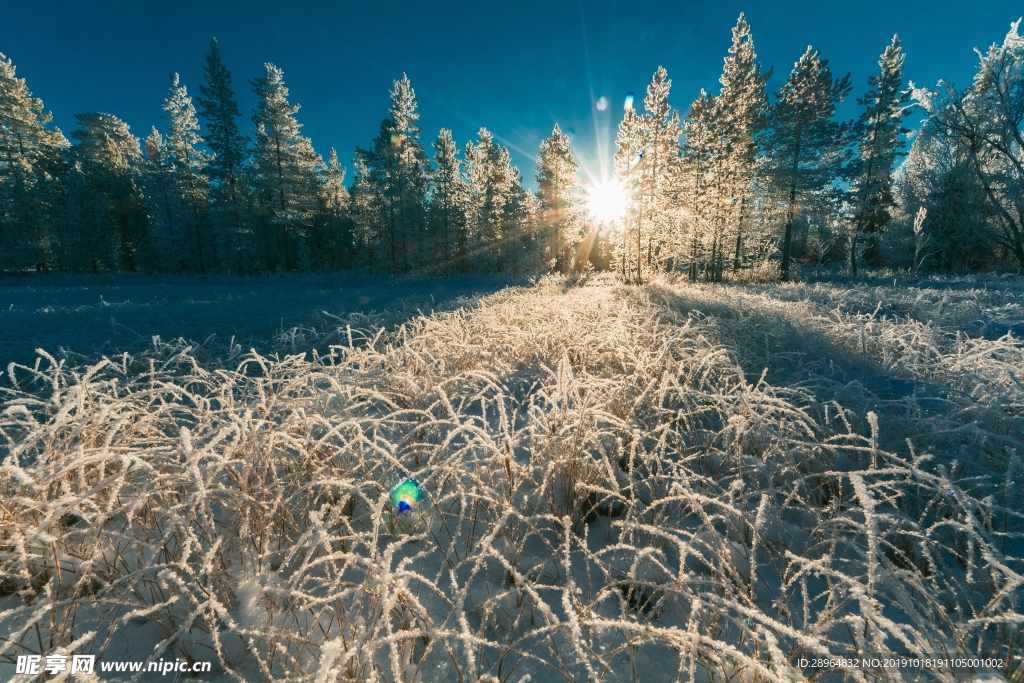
{"x": 742, "y": 180}
{"x": 201, "y": 196}
{"x": 745, "y": 180}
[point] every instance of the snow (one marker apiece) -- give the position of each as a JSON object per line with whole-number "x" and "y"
{"x": 90, "y": 315}
{"x": 777, "y": 472}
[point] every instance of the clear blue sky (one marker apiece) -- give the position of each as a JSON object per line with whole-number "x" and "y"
{"x": 514, "y": 67}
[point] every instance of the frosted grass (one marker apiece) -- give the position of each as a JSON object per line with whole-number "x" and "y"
{"x": 658, "y": 483}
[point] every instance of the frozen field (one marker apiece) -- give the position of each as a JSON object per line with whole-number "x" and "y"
{"x": 107, "y": 315}
{"x": 656, "y": 483}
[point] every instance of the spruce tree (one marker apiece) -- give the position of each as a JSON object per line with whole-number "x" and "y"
{"x": 408, "y": 182}
{"x": 878, "y": 132}
{"x": 557, "y": 183}
{"x": 30, "y": 157}
{"x": 393, "y": 176}
{"x": 286, "y": 176}
{"x": 219, "y": 111}
{"x": 660, "y": 142}
{"x": 106, "y": 194}
{"x": 628, "y": 173}
{"x": 366, "y": 210}
{"x": 693, "y": 178}
{"x": 162, "y": 197}
{"x": 188, "y": 166}
{"x": 337, "y": 239}
{"x": 447, "y": 209}
{"x": 743, "y": 107}
{"x": 373, "y": 199}
{"x": 487, "y": 172}
{"x": 805, "y": 146}
{"x": 518, "y": 214}
{"x": 505, "y": 183}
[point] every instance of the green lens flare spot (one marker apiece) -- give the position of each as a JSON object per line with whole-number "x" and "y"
{"x": 406, "y": 495}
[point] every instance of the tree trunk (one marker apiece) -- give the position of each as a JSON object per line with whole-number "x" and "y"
{"x": 860, "y": 221}
{"x": 639, "y": 244}
{"x": 739, "y": 237}
{"x": 199, "y": 237}
{"x": 788, "y": 235}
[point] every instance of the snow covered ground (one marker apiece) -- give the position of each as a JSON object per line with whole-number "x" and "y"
{"x": 655, "y": 483}
{"x": 91, "y": 315}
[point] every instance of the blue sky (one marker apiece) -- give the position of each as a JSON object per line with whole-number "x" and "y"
{"x": 514, "y": 67}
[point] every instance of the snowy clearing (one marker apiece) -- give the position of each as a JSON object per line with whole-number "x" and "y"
{"x": 617, "y": 483}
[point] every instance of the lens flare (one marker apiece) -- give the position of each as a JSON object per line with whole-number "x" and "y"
{"x": 396, "y": 139}
{"x": 406, "y": 495}
{"x": 629, "y": 101}
{"x": 727, "y": 200}
{"x": 602, "y": 104}
{"x": 607, "y": 202}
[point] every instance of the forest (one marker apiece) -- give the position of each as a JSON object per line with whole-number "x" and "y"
{"x": 745, "y": 182}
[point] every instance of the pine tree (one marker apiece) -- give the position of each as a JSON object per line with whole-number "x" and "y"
{"x": 447, "y": 209}
{"x": 373, "y": 201}
{"x": 393, "y": 175}
{"x": 507, "y": 194}
{"x": 743, "y": 107}
{"x": 488, "y": 173}
{"x": 162, "y": 198}
{"x": 188, "y": 167}
{"x": 659, "y": 142}
{"x": 557, "y": 184}
{"x": 629, "y": 174}
{"x": 805, "y": 146}
{"x": 107, "y": 194}
{"x": 30, "y": 154}
{"x": 286, "y": 177}
{"x": 878, "y": 132}
{"x": 476, "y": 174}
{"x": 337, "y": 243}
{"x": 365, "y": 210}
{"x": 219, "y": 111}
{"x": 693, "y": 177}
{"x": 411, "y": 168}
{"x": 518, "y": 218}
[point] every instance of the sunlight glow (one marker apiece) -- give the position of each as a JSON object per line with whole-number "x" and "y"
{"x": 607, "y": 202}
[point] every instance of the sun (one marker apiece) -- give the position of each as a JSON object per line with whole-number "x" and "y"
{"x": 607, "y": 202}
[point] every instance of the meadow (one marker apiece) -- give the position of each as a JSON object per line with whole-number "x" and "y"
{"x": 605, "y": 482}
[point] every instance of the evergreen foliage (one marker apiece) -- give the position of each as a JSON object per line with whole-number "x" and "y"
{"x": 660, "y": 143}
{"x": 879, "y": 133}
{"x": 29, "y": 189}
{"x": 219, "y": 111}
{"x": 285, "y": 174}
{"x": 105, "y": 196}
{"x": 743, "y": 105}
{"x": 805, "y": 145}
{"x": 738, "y": 186}
{"x": 560, "y": 216}
{"x": 692, "y": 187}
{"x": 628, "y": 173}
{"x": 447, "y": 209}
{"x": 187, "y": 166}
